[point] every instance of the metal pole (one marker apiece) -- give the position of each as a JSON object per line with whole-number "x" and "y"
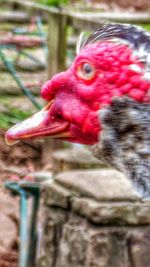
{"x": 16, "y": 77}
{"x": 24, "y": 235}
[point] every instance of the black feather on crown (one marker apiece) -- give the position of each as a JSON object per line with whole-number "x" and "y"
{"x": 137, "y": 38}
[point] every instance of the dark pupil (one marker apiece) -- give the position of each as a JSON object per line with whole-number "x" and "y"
{"x": 87, "y": 68}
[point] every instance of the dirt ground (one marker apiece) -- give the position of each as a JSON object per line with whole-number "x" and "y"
{"x": 9, "y": 259}
{"x": 20, "y": 159}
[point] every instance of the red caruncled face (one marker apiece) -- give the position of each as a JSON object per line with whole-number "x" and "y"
{"x": 99, "y": 73}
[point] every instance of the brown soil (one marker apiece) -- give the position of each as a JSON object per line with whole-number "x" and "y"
{"x": 19, "y": 159}
{"x": 9, "y": 259}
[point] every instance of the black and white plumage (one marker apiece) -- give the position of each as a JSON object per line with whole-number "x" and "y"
{"x": 125, "y": 137}
{"x": 125, "y": 141}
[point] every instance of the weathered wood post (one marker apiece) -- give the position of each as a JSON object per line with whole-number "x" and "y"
{"x": 56, "y": 43}
{"x": 56, "y": 63}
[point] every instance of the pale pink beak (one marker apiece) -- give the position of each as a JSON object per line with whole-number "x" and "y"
{"x": 38, "y": 125}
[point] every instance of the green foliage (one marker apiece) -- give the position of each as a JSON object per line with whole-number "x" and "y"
{"x": 54, "y": 2}
{"x": 9, "y": 119}
{"x": 11, "y": 115}
{"x": 4, "y": 121}
{"x": 145, "y": 26}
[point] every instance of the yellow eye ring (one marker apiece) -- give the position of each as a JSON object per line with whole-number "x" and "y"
{"x": 86, "y": 71}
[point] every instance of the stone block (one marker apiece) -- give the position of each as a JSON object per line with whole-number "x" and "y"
{"x": 140, "y": 247}
{"x": 93, "y": 218}
{"x": 55, "y": 195}
{"x": 80, "y": 244}
{"x": 75, "y": 158}
{"x": 117, "y": 213}
{"x": 102, "y": 184}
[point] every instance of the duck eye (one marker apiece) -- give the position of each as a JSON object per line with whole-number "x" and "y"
{"x": 86, "y": 71}
{"x": 87, "y": 68}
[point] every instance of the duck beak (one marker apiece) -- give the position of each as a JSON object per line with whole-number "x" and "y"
{"x": 37, "y": 126}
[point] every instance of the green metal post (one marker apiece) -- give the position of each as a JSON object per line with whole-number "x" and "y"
{"x": 24, "y": 236}
{"x": 16, "y": 77}
{"x": 33, "y": 229}
{"x": 28, "y": 225}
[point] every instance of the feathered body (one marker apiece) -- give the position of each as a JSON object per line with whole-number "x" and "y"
{"x": 124, "y": 141}
{"x": 102, "y": 100}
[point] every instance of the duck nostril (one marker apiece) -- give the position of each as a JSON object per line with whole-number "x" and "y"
{"x": 59, "y": 116}
{"x": 56, "y": 116}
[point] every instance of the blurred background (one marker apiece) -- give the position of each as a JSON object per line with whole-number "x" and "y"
{"x": 38, "y": 39}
